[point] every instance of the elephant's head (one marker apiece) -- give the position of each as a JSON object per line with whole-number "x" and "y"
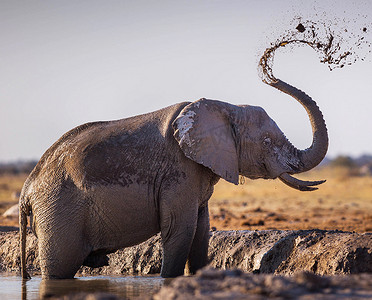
{"x": 243, "y": 140}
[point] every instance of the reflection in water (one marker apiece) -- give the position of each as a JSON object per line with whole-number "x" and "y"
{"x": 13, "y": 287}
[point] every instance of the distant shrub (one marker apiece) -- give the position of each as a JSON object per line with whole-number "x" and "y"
{"x": 349, "y": 166}
{"x": 15, "y": 168}
{"x": 343, "y": 161}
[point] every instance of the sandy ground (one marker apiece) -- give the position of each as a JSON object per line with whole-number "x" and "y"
{"x": 344, "y": 203}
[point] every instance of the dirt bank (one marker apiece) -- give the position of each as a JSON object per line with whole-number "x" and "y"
{"x": 268, "y": 251}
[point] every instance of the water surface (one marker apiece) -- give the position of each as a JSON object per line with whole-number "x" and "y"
{"x": 12, "y": 287}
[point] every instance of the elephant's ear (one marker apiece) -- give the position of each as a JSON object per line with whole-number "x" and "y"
{"x": 205, "y": 134}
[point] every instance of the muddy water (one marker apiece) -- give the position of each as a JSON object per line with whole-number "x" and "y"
{"x": 12, "y": 287}
{"x": 336, "y": 44}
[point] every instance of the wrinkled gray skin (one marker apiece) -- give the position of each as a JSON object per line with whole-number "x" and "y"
{"x": 108, "y": 185}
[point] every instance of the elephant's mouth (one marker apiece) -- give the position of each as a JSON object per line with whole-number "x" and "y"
{"x": 262, "y": 168}
{"x": 253, "y": 177}
{"x": 299, "y": 184}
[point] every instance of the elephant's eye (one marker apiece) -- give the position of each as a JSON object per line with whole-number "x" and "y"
{"x": 267, "y": 141}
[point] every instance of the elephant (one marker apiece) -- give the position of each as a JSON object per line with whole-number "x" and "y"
{"x": 108, "y": 185}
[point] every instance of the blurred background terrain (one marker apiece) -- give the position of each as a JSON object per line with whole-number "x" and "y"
{"x": 344, "y": 202}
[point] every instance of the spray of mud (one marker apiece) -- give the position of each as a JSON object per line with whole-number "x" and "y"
{"x": 336, "y": 46}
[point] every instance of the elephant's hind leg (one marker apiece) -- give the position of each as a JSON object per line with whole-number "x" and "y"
{"x": 61, "y": 254}
{"x": 61, "y": 261}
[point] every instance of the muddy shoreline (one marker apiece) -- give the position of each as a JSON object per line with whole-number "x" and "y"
{"x": 268, "y": 251}
{"x": 242, "y": 263}
{"x": 234, "y": 284}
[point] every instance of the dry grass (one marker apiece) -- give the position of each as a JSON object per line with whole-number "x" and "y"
{"x": 343, "y": 203}
{"x": 9, "y": 185}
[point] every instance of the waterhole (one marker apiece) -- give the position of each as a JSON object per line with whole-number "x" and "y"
{"x": 12, "y": 287}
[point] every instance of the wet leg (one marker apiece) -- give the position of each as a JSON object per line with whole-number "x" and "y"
{"x": 177, "y": 231}
{"x": 198, "y": 255}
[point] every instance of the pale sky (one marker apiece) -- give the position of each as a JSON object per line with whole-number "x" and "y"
{"x": 65, "y": 63}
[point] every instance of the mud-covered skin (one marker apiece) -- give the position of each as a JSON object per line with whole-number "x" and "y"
{"x": 109, "y": 185}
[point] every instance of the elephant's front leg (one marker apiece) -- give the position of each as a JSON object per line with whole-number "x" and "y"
{"x": 198, "y": 255}
{"x": 178, "y": 224}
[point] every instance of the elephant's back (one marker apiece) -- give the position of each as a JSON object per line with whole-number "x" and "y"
{"x": 127, "y": 151}
{"x": 52, "y": 157}
{"x": 100, "y": 150}
{"x": 49, "y": 169}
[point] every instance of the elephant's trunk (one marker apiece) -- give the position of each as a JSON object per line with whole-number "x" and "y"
{"x": 313, "y": 155}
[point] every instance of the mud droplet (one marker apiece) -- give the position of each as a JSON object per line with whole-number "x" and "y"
{"x": 336, "y": 45}
{"x": 300, "y": 28}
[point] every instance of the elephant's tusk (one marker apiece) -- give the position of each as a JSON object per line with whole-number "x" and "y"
{"x": 299, "y": 184}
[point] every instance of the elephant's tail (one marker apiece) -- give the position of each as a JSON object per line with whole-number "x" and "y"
{"x": 23, "y": 213}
